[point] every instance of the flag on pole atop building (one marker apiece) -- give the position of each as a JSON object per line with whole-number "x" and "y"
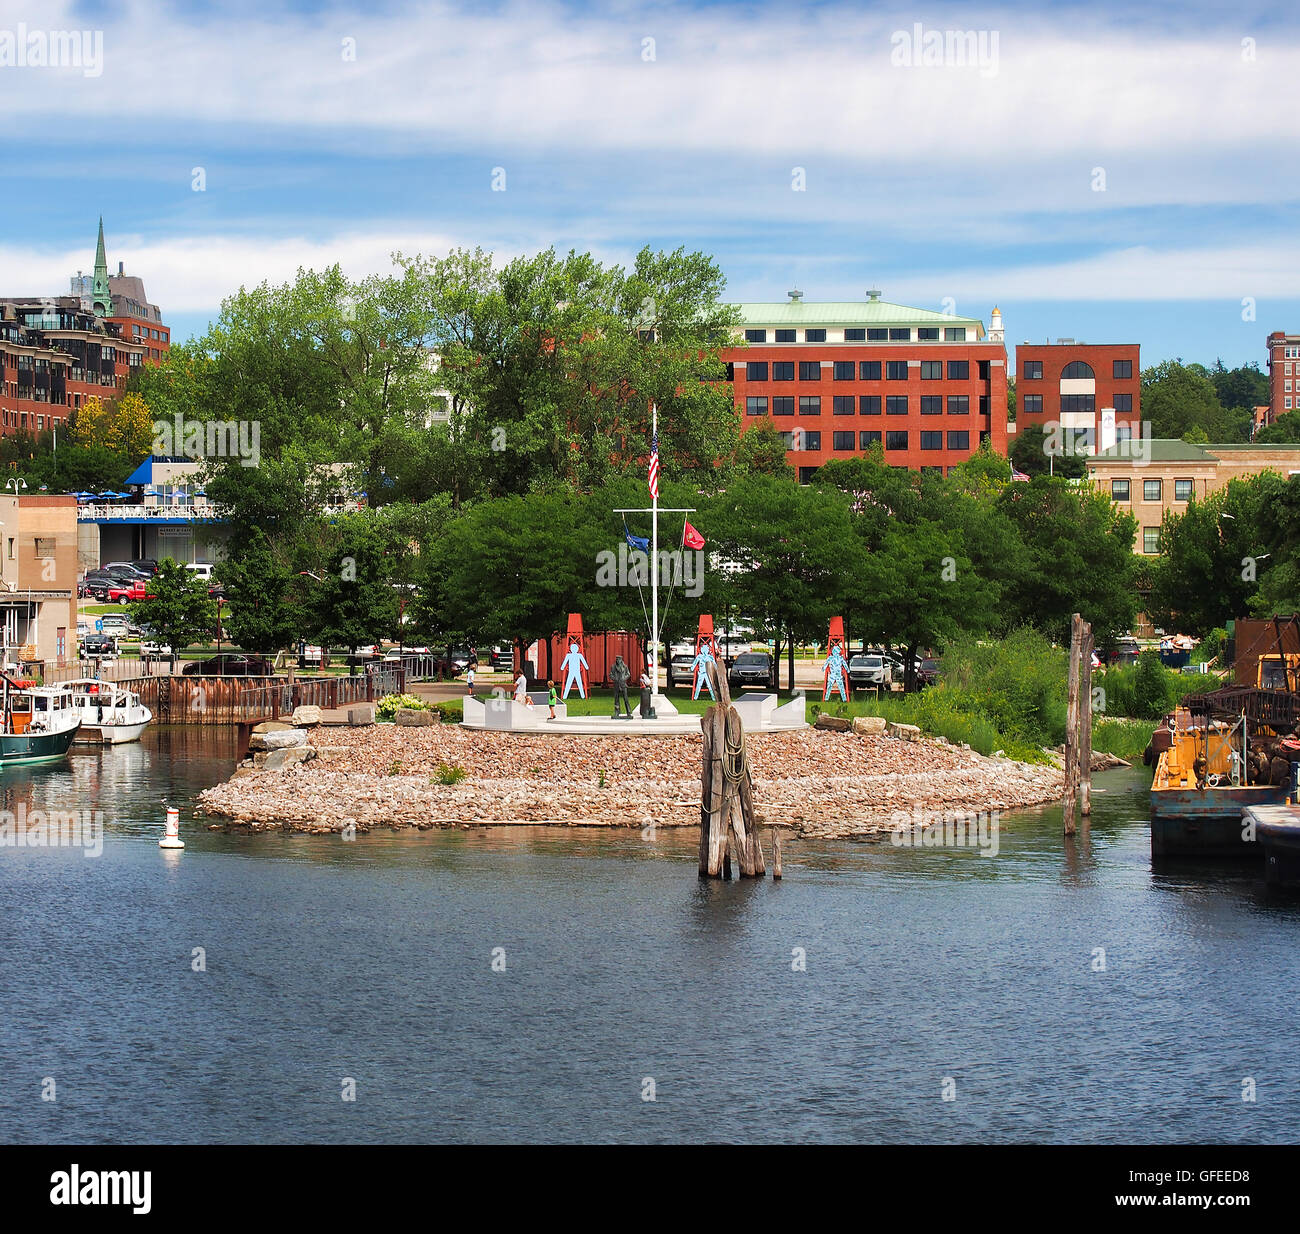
{"x": 692, "y": 538}
{"x": 654, "y": 467}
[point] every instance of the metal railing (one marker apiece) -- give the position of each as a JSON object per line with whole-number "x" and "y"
{"x": 100, "y": 512}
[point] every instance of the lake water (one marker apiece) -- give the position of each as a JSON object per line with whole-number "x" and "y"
{"x": 372, "y": 961}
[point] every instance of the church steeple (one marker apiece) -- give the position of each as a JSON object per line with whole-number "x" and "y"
{"x": 103, "y": 297}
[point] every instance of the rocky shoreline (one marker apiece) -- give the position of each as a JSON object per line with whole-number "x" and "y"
{"x": 825, "y": 784}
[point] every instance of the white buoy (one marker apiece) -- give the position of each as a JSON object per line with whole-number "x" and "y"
{"x": 172, "y": 837}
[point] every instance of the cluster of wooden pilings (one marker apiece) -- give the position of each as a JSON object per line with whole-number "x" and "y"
{"x": 728, "y": 824}
{"x": 1078, "y": 726}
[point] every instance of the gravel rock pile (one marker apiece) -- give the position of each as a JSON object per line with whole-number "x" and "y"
{"x": 815, "y": 783}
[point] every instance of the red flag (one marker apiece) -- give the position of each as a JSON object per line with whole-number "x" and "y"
{"x": 692, "y": 538}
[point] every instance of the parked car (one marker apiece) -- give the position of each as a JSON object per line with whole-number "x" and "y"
{"x": 114, "y": 623}
{"x": 927, "y": 673}
{"x": 369, "y": 654}
{"x": 395, "y": 655}
{"x": 95, "y": 583}
{"x": 753, "y": 668}
{"x": 229, "y": 665}
{"x": 869, "y": 672}
{"x": 146, "y": 565}
{"x": 124, "y": 571}
{"x": 502, "y": 657}
{"x": 150, "y": 648}
{"x": 680, "y": 659}
{"x": 98, "y": 647}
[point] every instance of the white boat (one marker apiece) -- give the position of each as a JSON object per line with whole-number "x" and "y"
{"x": 110, "y": 714}
{"x": 37, "y": 723}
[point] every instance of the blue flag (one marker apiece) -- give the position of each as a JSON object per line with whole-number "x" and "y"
{"x": 637, "y": 542}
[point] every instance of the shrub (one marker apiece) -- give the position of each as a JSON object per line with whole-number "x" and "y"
{"x": 388, "y": 706}
{"x": 1153, "y": 694}
{"x": 449, "y": 773}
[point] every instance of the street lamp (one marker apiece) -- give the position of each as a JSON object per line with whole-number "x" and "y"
{"x": 16, "y": 483}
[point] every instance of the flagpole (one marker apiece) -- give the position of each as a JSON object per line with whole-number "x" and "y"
{"x": 654, "y": 577}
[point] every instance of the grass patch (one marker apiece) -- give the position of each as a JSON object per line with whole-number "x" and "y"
{"x": 1125, "y": 739}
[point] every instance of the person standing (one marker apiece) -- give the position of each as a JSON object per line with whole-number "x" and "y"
{"x": 552, "y": 698}
{"x": 469, "y": 679}
{"x": 521, "y": 688}
{"x": 619, "y": 676}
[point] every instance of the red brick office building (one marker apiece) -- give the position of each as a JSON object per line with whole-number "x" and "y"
{"x": 1283, "y": 375}
{"x": 58, "y": 351}
{"x": 1076, "y": 385}
{"x": 837, "y": 377}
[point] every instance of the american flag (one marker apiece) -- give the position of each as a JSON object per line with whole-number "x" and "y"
{"x": 654, "y": 467}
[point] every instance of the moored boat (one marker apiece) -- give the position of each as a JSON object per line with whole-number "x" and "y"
{"x": 39, "y": 722}
{"x": 110, "y": 714}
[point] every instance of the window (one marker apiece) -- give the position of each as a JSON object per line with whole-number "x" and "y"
{"x": 806, "y": 474}
{"x": 896, "y": 440}
{"x": 958, "y": 439}
{"x": 785, "y": 336}
{"x": 984, "y": 404}
{"x": 44, "y": 546}
{"x": 787, "y": 440}
{"x": 1077, "y": 370}
{"x": 868, "y": 404}
{"x": 867, "y": 438}
{"x": 756, "y": 336}
{"x": 932, "y": 404}
{"x": 1032, "y": 370}
{"x": 843, "y": 404}
{"x": 895, "y": 370}
{"x": 783, "y": 370}
{"x": 756, "y": 370}
{"x": 983, "y": 370}
{"x": 959, "y": 404}
{"x": 927, "y": 334}
{"x": 810, "y": 405}
{"x": 756, "y": 406}
{"x": 1122, "y": 370}
{"x": 877, "y": 334}
{"x": 1119, "y": 490}
{"x": 931, "y": 370}
{"x": 954, "y": 334}
{"x": 855, "y": 334}
{"x": 896, "y": 405}
{"x": 814, "y": 336}
{"x": 1123, "y": 432}
{"x": 783, "y": 406}
{"x": 1123, "y": 402}
{"x": 869, "y": 370}
{"x": 842, "y": 441}
{"x": 1031, "y": 404}
{"x": 931, "y": 441}
{"x": 1150, "y": 539}
{"x": 844, "y": 370}
{"x": 958, "y": 370}
{"x": 11, "y": 548}
{"x": 810, "y": 370}
{"x": 900, "y": 334}
{"x": 812, "y": 440}
{"x": 1150, "y": 490}
{"x": 1182, "y": 490}
{"x": 1078, "y": 402}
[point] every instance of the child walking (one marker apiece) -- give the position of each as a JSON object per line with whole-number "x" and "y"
{"x": 552, "y": 698}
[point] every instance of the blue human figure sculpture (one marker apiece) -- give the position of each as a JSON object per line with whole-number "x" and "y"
{"x": 573, "y": 664}
{"x": 700, "y": 667}
{"x": 836, "y": 672}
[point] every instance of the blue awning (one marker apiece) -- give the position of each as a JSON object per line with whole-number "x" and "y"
{"x": 144, "y": 473}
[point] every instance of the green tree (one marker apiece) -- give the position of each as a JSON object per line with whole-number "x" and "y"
{"x": 1178, "y": 397}
{"x": 1240, "y": 389}
{"x": 1036, "y": 454}
{"x": 1285, "y": 430}
{"x": 265, "y": 595}
{"x": 177, "y": 607}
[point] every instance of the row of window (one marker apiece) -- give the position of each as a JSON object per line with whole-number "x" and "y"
{"x": 958, "y": 439}
{"x": 863, "y": 405}
{"x": 1077, "y": 370}
{"x": 20, "y": 419}
{"x": 1032, "y": 404}
{"x": 1151, "y": 490}
{"x": 861, "y": 370}
{"x": 145, "y": 332}
{"x": 867, "y": 334}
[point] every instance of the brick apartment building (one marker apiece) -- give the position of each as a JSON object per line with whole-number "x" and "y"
{"x": 57, "y": 351}
{"x": 1283, "y": 376}
{"x": 837, "y": 377}
{"x": 1078, "y": 386}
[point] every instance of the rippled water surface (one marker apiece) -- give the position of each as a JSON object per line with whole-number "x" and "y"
{"x": 372, "y": 961}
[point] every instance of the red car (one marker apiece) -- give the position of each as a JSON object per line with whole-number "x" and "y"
{"x": 120, "y": 594}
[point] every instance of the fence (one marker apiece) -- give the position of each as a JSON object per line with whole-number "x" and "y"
{"x": 232, "y": 700}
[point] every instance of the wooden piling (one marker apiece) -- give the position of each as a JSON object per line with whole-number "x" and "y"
{"x": 776, "y": 855}
{"x": 1072, "y": 724}
{"x": 1085, "y": 724}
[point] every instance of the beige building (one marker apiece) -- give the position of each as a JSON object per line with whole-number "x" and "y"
{"x": 1151, "y": 478}
{"x": 38, "y": 577}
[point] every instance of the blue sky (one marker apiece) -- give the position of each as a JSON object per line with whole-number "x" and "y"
{"x": 1097, "y": 174}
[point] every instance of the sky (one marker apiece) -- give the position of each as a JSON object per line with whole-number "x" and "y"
{"x": 1098, "y": 172}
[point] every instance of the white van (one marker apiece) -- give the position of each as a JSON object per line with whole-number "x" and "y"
{"x": 202, "y": 568}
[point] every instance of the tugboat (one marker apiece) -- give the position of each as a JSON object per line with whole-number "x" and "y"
{"x": 39, "y": 722}
{"x": 110, "y": 714}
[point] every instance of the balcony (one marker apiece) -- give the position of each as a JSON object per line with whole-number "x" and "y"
{"x": 115, "y": 512}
